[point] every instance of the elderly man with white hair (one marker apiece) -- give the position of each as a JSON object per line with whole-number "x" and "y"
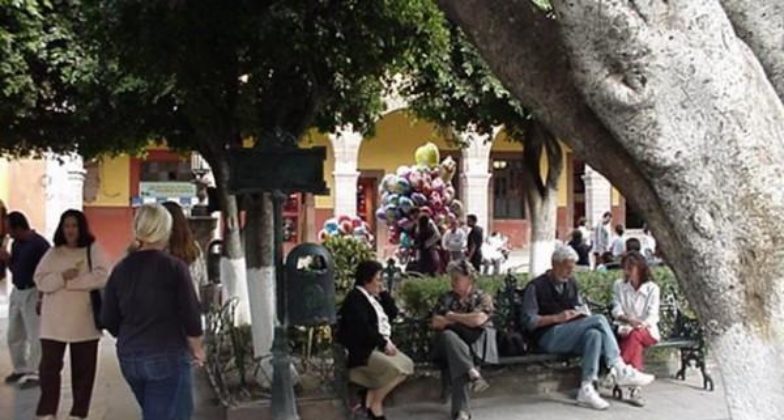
{"x": 560, "y": 323}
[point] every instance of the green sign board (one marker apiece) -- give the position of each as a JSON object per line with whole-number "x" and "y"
{"x": 294, "y": 170}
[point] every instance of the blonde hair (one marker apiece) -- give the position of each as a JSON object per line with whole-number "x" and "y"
{"x": 153, "y": 224}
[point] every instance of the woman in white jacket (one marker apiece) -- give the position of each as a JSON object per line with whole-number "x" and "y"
{"x": 636, "y": 300}
{"x": 67, "y": 275}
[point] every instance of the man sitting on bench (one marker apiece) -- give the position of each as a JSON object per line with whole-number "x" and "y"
{"x": 561, "y": 324}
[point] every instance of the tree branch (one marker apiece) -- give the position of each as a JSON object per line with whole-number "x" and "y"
{"x": 522, "y": 47}
{"x": 760, "y": 23}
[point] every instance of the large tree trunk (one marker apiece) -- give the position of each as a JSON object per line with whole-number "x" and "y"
{"x": 541, "y": 194}
{"x": 541, "y": 212}
{"x": 676, "y": 111}
{"x": 761, "y": 24}
{"x": 232, "y": 264}
{"x": 259, "y": 252}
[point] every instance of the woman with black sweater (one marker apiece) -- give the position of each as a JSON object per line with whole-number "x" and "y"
{"x": 365, "y": 330}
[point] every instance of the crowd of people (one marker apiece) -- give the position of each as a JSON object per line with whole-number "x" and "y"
{"x": 556, "y": 320}
{"x": 436, "y": 247}
{"x": 65, "y": 294}
{"x": 604, "y": 247}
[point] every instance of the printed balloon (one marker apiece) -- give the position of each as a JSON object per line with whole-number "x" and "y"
{"x": 427, "y": 155}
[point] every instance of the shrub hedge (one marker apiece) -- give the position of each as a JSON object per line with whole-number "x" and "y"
{"x": 418, "y": 296}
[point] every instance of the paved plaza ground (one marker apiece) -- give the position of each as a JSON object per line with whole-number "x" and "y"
{"x": 667, "y": 399}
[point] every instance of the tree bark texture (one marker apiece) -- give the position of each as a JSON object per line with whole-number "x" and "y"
{"x": 232, "y": 266}
{"x": 541, "y": 194}
{"x": 669, "y": 104}
{"x": 761, "y": 24}
{"x": 260, "y": 264}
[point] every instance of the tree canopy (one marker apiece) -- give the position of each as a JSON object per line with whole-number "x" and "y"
{"x": 454, "y": 87}
{"x": 224, "y": 71}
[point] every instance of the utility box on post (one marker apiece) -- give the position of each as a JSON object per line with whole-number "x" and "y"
{"x": 310, "y": 286}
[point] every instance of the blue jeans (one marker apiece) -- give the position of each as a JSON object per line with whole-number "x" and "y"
{"x": 162, "y": 384}
{"x": 590, "y": 338}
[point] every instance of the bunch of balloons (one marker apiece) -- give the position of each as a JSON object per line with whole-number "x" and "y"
{"x": 346, "y": 226}
{"x": 423, "y": 189}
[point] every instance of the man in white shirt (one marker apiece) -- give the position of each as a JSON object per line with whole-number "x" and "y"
{"x": 454, "y": 241}
{"x": 618, "y": 247}
{"x": 602, "y": 236}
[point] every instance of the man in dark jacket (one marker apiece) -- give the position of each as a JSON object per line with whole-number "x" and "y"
{"x": 23, "y": 342}
{"x": 476, "y": 237}
{"x": 555, "y": 314}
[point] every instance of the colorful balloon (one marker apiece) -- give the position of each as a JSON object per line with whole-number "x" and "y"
{"x": 427, "y": 155}
{"x": 405, "y": 224}
{"x": 391, "y": 212}
{"x": 402, "y": 186}
{"x": 403, "y": 171}
{"x": 457, "y": 208}
{"x": 405, "y": 205}
{"x": 419, "y": 199}
{"x": 447, "y": 169}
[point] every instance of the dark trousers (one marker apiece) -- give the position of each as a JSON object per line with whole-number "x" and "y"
{"x": 161, "y": 384}
{"x": 84, "y": 357}
{"x": 453, "y": 355}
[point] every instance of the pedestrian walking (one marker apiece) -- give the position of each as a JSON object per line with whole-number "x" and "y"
{"x": 69, "y": 276}
{"x": 23, "y": 340}
{"x": 150, "y": 305}
{"x": 183, "y": 246}
{"x": 475, "y": 240}
{"x": 602, "y": 236}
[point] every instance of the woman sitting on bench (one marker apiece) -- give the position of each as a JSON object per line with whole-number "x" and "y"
{"x": 364, "y": 329}
{"x": 636, "y": 312}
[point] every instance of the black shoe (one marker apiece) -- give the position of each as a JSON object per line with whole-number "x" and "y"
{"x": 13, "y": 378}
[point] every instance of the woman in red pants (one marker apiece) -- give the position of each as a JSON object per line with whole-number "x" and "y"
{"x": 636, "y": 311}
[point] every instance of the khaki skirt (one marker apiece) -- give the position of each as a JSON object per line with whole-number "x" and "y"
{"x": 381, "y": 370}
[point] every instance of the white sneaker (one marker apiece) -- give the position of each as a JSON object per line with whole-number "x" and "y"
{"x": 590, "y": 398}
{"x": 629, "y": 376}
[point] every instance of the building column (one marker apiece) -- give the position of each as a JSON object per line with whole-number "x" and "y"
{"x": 64, "y": 188}
{"x": 476, "y": 174}
{"x": 345, "y": 146}
{"x": 598, "y": 195}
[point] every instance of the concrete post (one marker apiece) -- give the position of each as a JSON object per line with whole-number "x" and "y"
{"x": 476, "y": 174}
{"x": 345, "y": 145}
{"x": 598, "y": 195}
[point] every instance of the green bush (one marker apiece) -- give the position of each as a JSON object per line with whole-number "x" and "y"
{"x": 347, "y": 253}
{"x": 418, "y": 296}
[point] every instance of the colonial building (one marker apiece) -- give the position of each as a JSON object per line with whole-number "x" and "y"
{"x": 488, "y": 183}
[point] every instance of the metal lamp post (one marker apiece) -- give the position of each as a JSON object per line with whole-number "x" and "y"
{"x": 284, "y": 406}
{"x": 279, "y": 170}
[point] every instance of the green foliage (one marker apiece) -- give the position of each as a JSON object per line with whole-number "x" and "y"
{"x": 347, "y": 253}
{"x": 419, "y": 296}
{"x": 220, "y": 71}
{"x": 455, "y": 88}
{"x": 56, "y": 92}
